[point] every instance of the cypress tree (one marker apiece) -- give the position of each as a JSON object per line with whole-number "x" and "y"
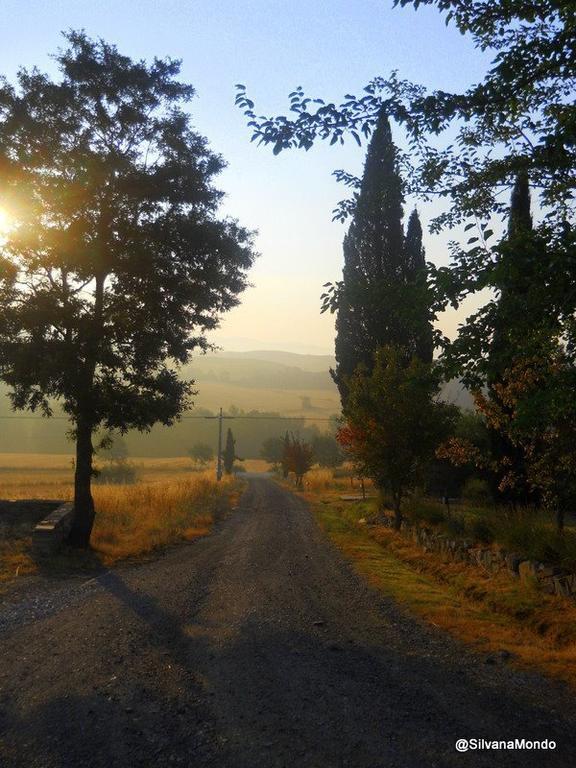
{"x": 423, "y": 340}
{"x": 509, "y": 322}
{"x": 229, "y": 454}
{"x": 511, "y": 330}
{"x": 383, "y": 297}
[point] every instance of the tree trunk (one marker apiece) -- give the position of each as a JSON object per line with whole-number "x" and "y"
{"x": 560, "y": 519}
{"x": 83, "y": 502}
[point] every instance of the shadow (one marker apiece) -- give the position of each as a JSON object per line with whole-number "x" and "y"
{"x": 250, "y": 680}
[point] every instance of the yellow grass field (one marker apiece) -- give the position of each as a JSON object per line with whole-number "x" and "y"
{"x": 169, "y": 502}
{"x": 324, "y": 402}
{"x": 50, "y": 476}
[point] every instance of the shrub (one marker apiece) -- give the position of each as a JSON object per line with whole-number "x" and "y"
{"x": 117, "y": 472}
{"x": 481, "y": 531}
{"x": 477, "y": 490}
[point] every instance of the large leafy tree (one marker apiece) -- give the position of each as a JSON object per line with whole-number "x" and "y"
{"x": 117, "y": 263}
{"x": 394, "y": 423}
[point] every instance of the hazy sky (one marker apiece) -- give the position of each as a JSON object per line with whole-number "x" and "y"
{"x": 330, "y": 48}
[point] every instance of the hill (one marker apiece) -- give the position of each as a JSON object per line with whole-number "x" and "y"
{"x": 270, "y": 382}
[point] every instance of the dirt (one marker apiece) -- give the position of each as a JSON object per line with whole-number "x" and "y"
{"x": 256, "y": 647}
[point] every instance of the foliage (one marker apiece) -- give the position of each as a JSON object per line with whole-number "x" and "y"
{"x": 201, "y": 454}
{"x": 327, "y": 451}
{"x": 229, "y": 453}
{"x": 272, "y": 450}
{"x": 393, "y": 424}
{"x": 534, "y": 409}
{"x": 517, "y": 123}
{"x": 117, "y": 263}
{"x": 447, "y": 479}
{"x": 116, "y": 471}
{"x": 112, "y": 446}
{"x": 298, "y": 457}
{"x": 523, "y": 106}
{"x": 383, "y": 296}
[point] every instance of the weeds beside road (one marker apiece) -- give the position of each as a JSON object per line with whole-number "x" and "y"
{"x": 495, "y": 614}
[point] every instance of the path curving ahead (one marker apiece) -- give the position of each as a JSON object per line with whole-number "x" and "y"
{"x": 255, "y": 647}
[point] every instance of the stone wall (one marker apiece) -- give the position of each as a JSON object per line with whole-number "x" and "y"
{"x": 49, "y": 535}
{"x": 550, "y": 579}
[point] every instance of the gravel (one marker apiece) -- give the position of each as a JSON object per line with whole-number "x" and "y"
{"x": 256, "y": 647}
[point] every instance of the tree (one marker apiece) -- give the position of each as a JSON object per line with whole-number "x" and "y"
{"x": 535, "y": 412}
{"x": 112, "y": 446}
{"x": 298, "y": 458}
{"x": 327, "y": 451}
{"x": 201, "y": 454}
{"x": 523, "y": 105}
{"x": 393, "y": 424}
{"x": 117, "y": 264}
{"x": 519, "y": 120}
{"x": 272, "y": 451}
{"x": 420, "y": 302}
{"x": 383, "y": 297}
{"x": 286, "y": 456}
{"x": 229, "y": 453}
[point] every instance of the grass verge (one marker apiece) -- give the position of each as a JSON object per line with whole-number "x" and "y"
{"x": 491, "y": 613}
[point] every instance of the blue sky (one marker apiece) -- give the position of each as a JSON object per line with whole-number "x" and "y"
{"x": 330, "y": 48}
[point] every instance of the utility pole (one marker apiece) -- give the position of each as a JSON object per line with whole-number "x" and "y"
{"x": 219, "y": 463}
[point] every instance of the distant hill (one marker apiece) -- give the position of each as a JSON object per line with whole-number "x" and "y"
{"x": 292, "y": 385}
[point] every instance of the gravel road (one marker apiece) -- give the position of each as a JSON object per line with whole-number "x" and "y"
{"x": 256, "y": 647}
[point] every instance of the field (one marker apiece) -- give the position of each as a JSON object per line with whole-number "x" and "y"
{"x": 50, "y": 476}
{"x": 169, "y": 502}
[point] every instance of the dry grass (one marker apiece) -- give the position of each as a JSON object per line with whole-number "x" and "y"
{"x": 169, "y": 503}
{"x": 50, "y": 476}
{"x": 136, "y": 519}
{"x": 489, "y": 612}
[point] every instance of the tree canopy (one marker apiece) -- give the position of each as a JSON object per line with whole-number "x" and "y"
{"x": 117, "y": 263}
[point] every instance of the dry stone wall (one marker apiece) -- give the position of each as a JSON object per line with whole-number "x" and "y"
{"x": 550, "y": 579}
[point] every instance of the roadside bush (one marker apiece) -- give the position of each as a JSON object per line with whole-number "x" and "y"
{"x": 477, "y": 490}
{"x": 421, "y": 510}
{"x": 481, "y": 531}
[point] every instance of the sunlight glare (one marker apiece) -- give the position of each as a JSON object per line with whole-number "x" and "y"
{"x": 4, "y": 221}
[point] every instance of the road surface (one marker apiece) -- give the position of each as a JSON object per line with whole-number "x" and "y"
{"x": 256, "y": 647}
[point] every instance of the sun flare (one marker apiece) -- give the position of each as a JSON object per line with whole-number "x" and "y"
{"x": 4, "y": 221}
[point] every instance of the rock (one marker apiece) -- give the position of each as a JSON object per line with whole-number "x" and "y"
{"x": 561, "y": 586}
{"x": 527, "y": 570}
{"x": 512, "y": 561}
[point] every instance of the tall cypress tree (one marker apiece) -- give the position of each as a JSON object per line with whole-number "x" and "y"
{"x": 509, "y": 322}
{"x": 511, "y": 330}
{"x": 422, "y": 343}
{"x": 229, "y": 454}
{"x": 384, "y": 273}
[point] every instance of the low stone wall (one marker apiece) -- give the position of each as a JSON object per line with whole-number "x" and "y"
{"x": 51, "y": 532}
{"x": 550, "y": 579}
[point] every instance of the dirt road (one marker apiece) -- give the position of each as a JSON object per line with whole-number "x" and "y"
{"x": 255, "y": 647}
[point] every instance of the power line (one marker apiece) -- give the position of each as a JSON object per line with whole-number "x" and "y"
{"x": 182, "y": 418}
